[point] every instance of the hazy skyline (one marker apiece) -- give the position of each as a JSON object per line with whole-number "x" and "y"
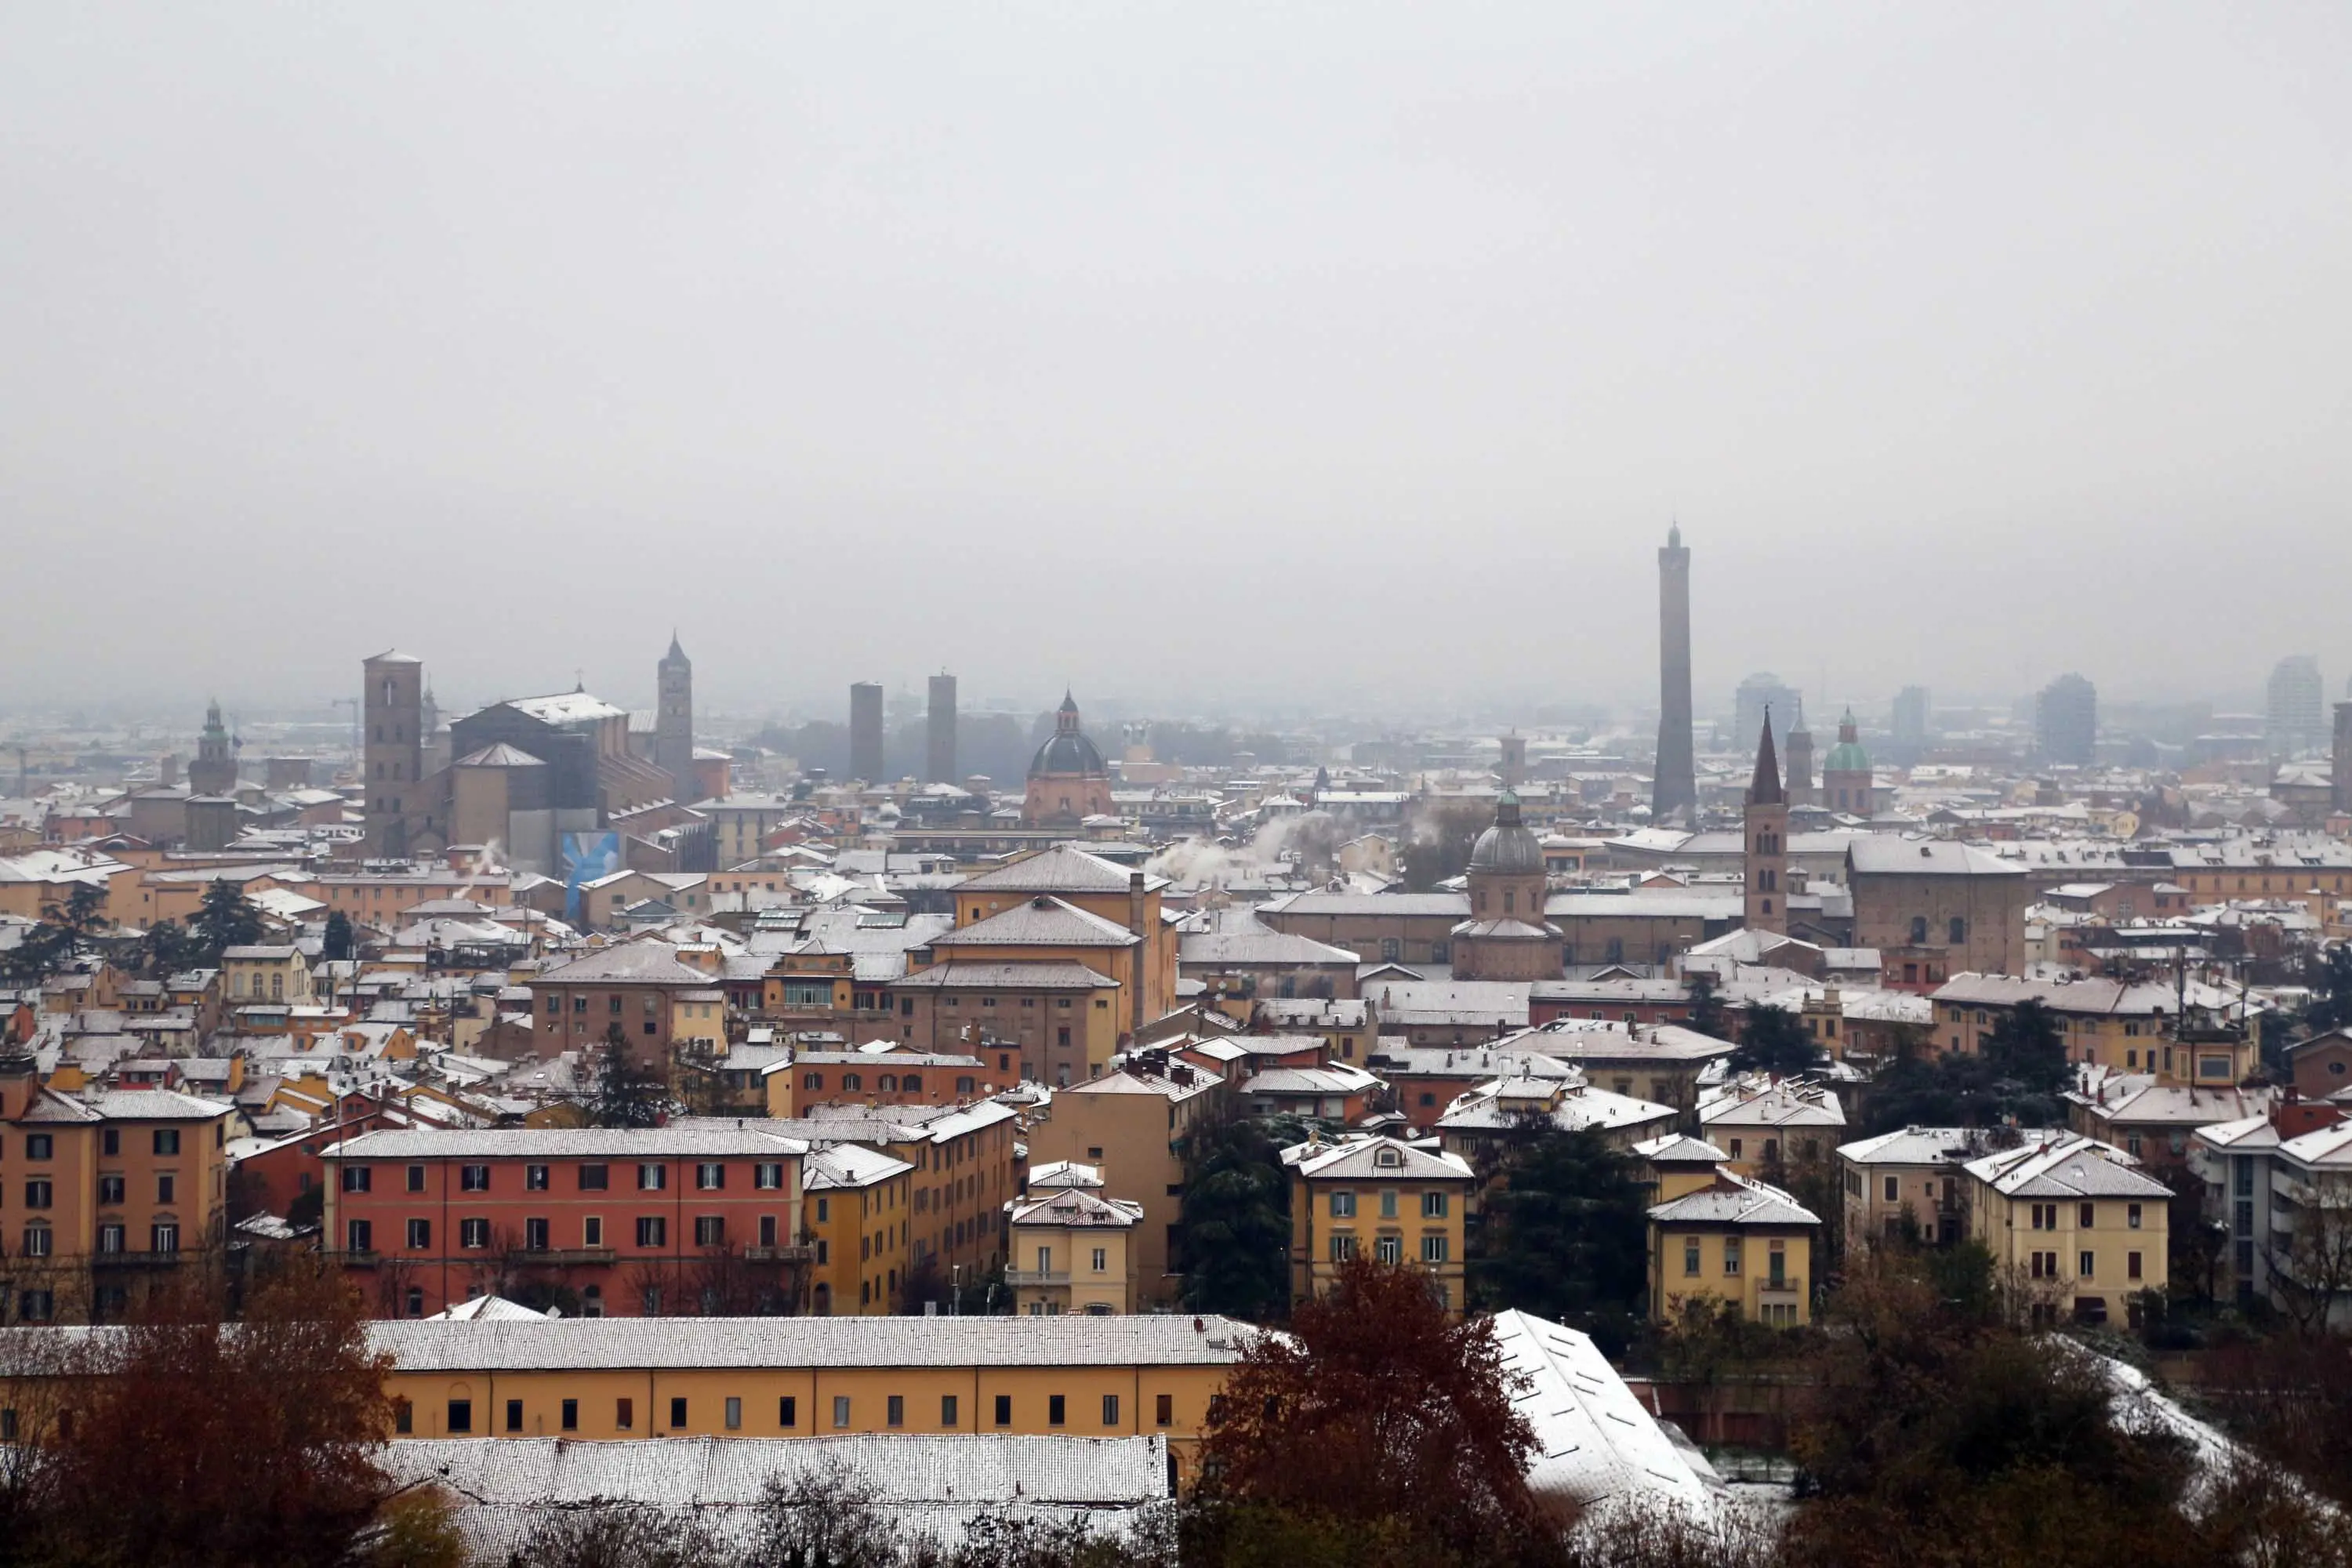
{"x": 1172, "y": 353}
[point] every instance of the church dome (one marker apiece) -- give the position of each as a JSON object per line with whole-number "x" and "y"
{"x": 1847, "y": 756}
{"x": 1069, "y": 750}
{"x": 1507, "y": 848}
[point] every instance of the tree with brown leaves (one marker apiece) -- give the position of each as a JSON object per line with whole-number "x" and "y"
{"x": 1380, "y": 1423}
{"x": 199, "y": 1442}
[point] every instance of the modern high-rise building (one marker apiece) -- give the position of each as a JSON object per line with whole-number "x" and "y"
{"x": 1759, "y": 691}
{"x": 939, "y": 731}
{"x": 1911, "y": 716}
{"x": 2066, "y": 721}
{"x": 1674, "y": 792}
{"x": 2297, "y": 722}
{"x": 865, "y": 731}
{"x": 674, "y": 721}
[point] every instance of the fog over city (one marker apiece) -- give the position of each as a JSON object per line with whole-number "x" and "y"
{"x": 1332, "y": 354}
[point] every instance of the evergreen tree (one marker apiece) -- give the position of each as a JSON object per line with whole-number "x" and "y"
{"x": 1773, "y": 1040}
{"x": 1564, "y": 1235}
{"x": 226, "y": 919}
{"x": 1707, "y": 1013}
{"x": 628, "y": 1093}
{"x": 338, "y": 940}
{"x": 1236, "y": 1223}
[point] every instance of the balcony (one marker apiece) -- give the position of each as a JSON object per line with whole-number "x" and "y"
{"x": 1041, "y": 1278}
{"x": 1788, "y": 1285}
{"x": 559, "y": 1257}
{"x": 778, "y": 1254}
{"x": 137, "y": 1259}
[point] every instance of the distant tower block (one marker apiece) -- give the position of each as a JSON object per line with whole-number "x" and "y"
{"x": 674, "y": 721}
{"x": 1767, "y": 859}
{"x": 865, "y": 731}
{"x": 392, "y": 750}
{"x": 1514, "y": 760}
{"x": 1674, "y": 794}
{"x": 940, "y": 732}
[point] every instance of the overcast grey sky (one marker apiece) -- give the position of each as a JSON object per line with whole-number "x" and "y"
{"x": 1328, "y": 353}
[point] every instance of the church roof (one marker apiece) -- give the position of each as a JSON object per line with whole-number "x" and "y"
{"x": 1765, "y": 789}
{"x": 1067, "y": 752}
{"x": 1507, "y": 848}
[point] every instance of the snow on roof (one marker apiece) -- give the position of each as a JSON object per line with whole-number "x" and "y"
{"x": 1594, "y": 1442}
{"x": 488, "y": 1309}
{"x": 588, "y": 1345}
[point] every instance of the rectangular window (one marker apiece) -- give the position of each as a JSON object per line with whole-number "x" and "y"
{"x": 788, "y": 1412}
{"x": 572, "y": 1416}
{"x": 595, "y": 1178}
{"x": 1893, "y": 1188}
{"x": 166, "y": 1188}
{"x": 652, "y": 1178}
{"x": 1390, "y": 1250}
{"x": 2131, "y": 1264}
{"x": 355, "y": 1178}
{"x": 474, "y": 1232}
{"x": 534, "y": 1235}
{"x": 109, "y": 1238}
{"x": 768, "y": 1177}
{"x": 1731, "y": 1255}
{"x": 653, "y": 1230}
{"x": 734, "y": 1414}
{"x": 1110, "y": 1409}
{"x": 415, "y": 1178}
{"x": 2086, "y": 1216}
{"x": 420, "y": 1234}
{"x": 2085, "y": 1265}
{"x": 1432, "y": 1249}
{"x": 474, "y": 1178}
{"x": 167, "y": 1142}
{"x": 947, "y": 1410}
{"x": 1057, "y": 1410}
{"x": 841, "y": 1412}
{"x": 1389, "y": 1204}
{"x": 709, "y": 1177}
{"x": 163, "y": 1239}
{"x": 592, "y": 1231}
{"x": 1690, "y": 1257}
{"x": 1343, "y": 1205}
{"x": 1163, "y": 1410}
{"x": 534, "y": 1178}
{"x": 677, "y": 1413}
{"x": 359, "y": 1236}
{"x": 37, "y": 1193}
{"x": 2131, "y": 1216}
{"x": 1343, "y": 1248}
{"x": 461, "y": 1416}
{"x": 404, "y": 1418}
{"x": 1433, "y": 1205}
{"x": 110, "y": 1189}
{"x": 710, "y": 1230}
{"x": 1005, "y": 1410}
{"x": 895, "y": 1410}
{"x": 39, "y": 1145}
{"x": 514, "y": 1415}
{"x": 624, "y": 1413}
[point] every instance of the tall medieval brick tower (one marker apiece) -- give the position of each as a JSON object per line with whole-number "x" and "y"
{"x": 391, "y": 752}
{"x": 1767, "y": 860}
{"x": 674, "y": 722}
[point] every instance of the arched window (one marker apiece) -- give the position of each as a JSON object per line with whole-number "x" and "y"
{"x": 889, "y": 1083}
{"x": 1959, "y": 930}
{"x": 1919, "y": 931}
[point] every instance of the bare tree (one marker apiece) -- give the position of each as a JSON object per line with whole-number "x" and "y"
{"x": 2311, "y": 1268}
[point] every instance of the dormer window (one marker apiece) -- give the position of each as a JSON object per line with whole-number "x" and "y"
{"x": 1389, "y": 1157}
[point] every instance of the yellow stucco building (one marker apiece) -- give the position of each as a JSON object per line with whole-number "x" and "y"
{"x": 1074, "y": 1251}
{"x": 2071, "y": 1224}
{"x": 1380, "y": 1198}
{"x": 1735, "y": 1239}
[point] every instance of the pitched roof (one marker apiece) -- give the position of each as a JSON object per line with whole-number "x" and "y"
{"x": 625, "y": 964}
{"x": 1077, "y": 1209}
{"x": 1735, "y": 1199}
{"x": 590, "y": 1345}
{"x": 565, "y": 1143}
{"x": 1376, "y": 1159}
{"x": 1889, "y": 855}
{"x": 2069, "y": 1167}
{"x": 1594, "y": 1440}
{"x": 1041, "y": 921}
{"x": 1063, "y": 869}
{"x": 1004, "y": 974}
